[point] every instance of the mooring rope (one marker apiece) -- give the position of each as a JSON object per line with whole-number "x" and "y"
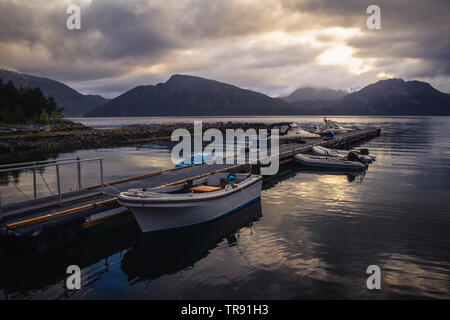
{"x": 110, "y": 186}
{"x": 45, "y": 182}
{"x": 18, "y": 189}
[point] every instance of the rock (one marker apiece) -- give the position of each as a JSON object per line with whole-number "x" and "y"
{"x": 85, "y": 137}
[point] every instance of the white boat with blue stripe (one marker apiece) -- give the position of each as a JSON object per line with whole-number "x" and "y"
{"x": 193, "y": 202}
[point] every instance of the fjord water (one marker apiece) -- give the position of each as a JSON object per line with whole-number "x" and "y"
{"x": 312, "y": 235}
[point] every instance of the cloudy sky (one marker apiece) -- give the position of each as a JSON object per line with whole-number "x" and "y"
{"x": 272, "y": 46}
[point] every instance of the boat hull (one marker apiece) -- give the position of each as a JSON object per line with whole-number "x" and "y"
{"x": 328, "y": 163}
{"x": 153, "y": 217}
{"x": 321, "y": 151}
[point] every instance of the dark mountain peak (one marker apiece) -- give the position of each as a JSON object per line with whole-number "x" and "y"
{"x": 391, "y": 81}
{"x": 183, "y": 80}
{"x": 420, "y": 84}
{"x": 385, "y": 84}
{"x": 399, "y": 82}
{"x": 73, "y": 102}
{"x": 186, "y": 77}
{"x": 395, "y": 97}
{"x": 398, "y": 86}
{"x": 312, "y": 93}
{"x": 179, "y": 77}
{"x": 189, "y": 95}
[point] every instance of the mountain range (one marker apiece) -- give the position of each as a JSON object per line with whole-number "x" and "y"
{"x": 313, "y": 94}
{"x": 195, "y": 96}
{"x": 73, "y": 102}
{"x": 394, "y": 97}
{"x": 185, "y": 95}
{"x": 386, "y": 97}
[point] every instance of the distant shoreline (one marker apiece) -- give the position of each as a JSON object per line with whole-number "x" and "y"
{"x": 26, "y": 139}
{"x": 119, "y": 122}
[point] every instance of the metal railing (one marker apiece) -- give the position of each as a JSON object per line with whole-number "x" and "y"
{"x": 31, "y": 163}
{"x": 50, "y": 163}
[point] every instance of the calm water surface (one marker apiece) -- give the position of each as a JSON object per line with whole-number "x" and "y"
{"x": 311, "y": 236}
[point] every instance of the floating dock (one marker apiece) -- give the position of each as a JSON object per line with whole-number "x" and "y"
{"x": 57, "y": 220}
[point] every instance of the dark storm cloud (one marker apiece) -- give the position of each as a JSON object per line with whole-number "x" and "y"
{"x": 115, "y": 86}
{"x": 403, "y": 14}
{"x": 124, "y": 42}
{"x": 431, "y": 48}
{"x": 16, "y": 24}
{"x": 410, "y": 29}
{"x": 125, "y": 32}
{"x": 225, "y": 18}
{"x": 110, "y": 30}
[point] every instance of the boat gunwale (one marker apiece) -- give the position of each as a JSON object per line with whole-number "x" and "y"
{"x": 135, "y": 201}
{"x": 333, "y": 161}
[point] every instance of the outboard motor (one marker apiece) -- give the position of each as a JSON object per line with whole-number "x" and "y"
{"x": 187, "y": 185}
{"x": 364, "y": 151}
{"x": 353, "y": 156}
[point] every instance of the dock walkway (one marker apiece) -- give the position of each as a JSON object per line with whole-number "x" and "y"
{"x": 90, "y": 206}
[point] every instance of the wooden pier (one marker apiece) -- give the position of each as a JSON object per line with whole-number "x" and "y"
{"x": 57, "y": 220}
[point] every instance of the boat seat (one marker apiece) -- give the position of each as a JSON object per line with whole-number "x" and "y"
{"x": 205, "y": 188}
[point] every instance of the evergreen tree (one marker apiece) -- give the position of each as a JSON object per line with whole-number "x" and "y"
{"x": 26, "y": 104}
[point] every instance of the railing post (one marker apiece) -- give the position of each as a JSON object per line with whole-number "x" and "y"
{"x": 79, "y": 173}
{"x": 1, "y": 212}
{"x": 59, "y": 184}
{"x": 34, "y": 183}
{"x": 101, "y": 174}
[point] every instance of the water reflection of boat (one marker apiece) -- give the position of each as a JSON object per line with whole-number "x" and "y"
{"x": 168, "y": 252}
{"x": 97, "y": 247}
{"x": 351, "y": 175}
{"x": 194, "y": 202}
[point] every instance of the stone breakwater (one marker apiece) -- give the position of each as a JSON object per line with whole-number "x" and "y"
{"x": 22, "y": 129}
{"x": 59, "y": 138}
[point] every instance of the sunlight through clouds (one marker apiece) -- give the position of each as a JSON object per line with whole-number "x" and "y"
{"x": 342, "y": 55}
{"x": 271, "y": 45}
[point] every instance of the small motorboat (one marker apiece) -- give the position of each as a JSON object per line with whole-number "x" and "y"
{"x": 331, "y": 126}
{"x": 193, "y": 202}
{"x": 291, "y": 131}
{"x": 363, "y": 154}
{"x": 328, "y": 162}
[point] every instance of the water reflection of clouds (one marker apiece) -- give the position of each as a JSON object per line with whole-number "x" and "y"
{"x": 410, "y": 274}
{"x": 310, "y": 189}
{"x": 140, "y": 163}
{"x": 388, "y": 221}
{"x": 399, "y": 220}
{"x": 118, "y": 163}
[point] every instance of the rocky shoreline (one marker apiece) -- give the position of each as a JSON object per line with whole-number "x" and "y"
{"x": 24, "y": 139}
